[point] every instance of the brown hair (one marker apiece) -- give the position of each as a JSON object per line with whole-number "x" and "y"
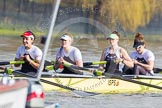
{"x": 139, "y": 37}
{"x": 117, "y": 33}
{"x": 70, "y": 35}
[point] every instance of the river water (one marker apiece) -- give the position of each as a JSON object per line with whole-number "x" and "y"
{"x": 91, "y": 50}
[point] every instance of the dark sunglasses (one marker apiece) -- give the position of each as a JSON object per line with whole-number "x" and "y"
{"x": 63, "y": 40}
{"x": 139, "y": 47}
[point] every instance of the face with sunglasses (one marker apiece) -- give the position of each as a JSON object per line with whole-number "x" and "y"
{"x": 140, "y": 48}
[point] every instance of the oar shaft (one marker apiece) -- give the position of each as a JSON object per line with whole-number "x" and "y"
{"x": 94, "y": 63}
{"x": 95, "y": 72}
{"x": 77, "y": 67}
{"x": 51, "y": 67}
{"x": 157, "y": 70}
{"x": 4, "y": 63}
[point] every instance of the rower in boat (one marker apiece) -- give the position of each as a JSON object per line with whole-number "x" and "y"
{"x": 69, "y": 55}
{"x": 143, "y": 58}
{"x": 28, "y": 52}
{"x": 115, "y": 55}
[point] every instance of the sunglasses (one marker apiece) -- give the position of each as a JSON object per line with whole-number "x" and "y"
{"x": 139, "y": 47}
{"x": 63, "y": 40}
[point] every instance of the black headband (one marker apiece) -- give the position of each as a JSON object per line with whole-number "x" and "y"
{"x": 137, "y": 43}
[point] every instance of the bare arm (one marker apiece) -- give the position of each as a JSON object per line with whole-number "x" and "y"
{"x": 34, "y": 63}
{"x": 79, "y": 63}
{"x": 126, "y": 58}
{"x": 101, "y": 66}
{"x": 148, "y": 66}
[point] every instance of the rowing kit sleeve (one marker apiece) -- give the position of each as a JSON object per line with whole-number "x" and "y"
{"x": 35, "y": 53}
{"x": 76, "y": 54}
{"x": 149, "y": 56}
{"x": 20, "y": 52}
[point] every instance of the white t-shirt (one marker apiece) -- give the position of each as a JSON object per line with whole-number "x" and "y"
{"x": 147, "y": 55}
{"x": 74, "y": 54}
{"x": 34, "y": 52}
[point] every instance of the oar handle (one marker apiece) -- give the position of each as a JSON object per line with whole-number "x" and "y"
{"x": 51, "y": 67}
{"x": 17, "y": 62}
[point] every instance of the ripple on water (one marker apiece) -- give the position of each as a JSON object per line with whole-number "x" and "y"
{"x": 69, "y": 100}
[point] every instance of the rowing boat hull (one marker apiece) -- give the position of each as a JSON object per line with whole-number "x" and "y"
{"x": 103, "y": 85}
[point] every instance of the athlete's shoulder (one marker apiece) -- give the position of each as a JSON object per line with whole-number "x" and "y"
{"x": 147, "y": 51}
{"x": 21, "y": 47}
{"x": 75, "y": 48}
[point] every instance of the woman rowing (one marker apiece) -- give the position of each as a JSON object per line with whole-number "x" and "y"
{"x": 115, "y": 55}
{"x": 143, "y": 58}
{"x": 68, "y": 54}
{"x": 28, "y": 52}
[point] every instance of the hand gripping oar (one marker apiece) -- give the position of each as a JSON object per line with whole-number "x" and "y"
{"x": 95, "y": 72}
{"x": 11, "y": 62}
{"x": 131, "y": 80}
{"x": 51, "y": 67}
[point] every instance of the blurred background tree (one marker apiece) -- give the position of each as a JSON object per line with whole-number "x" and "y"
{"x": 125, "y": 15}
